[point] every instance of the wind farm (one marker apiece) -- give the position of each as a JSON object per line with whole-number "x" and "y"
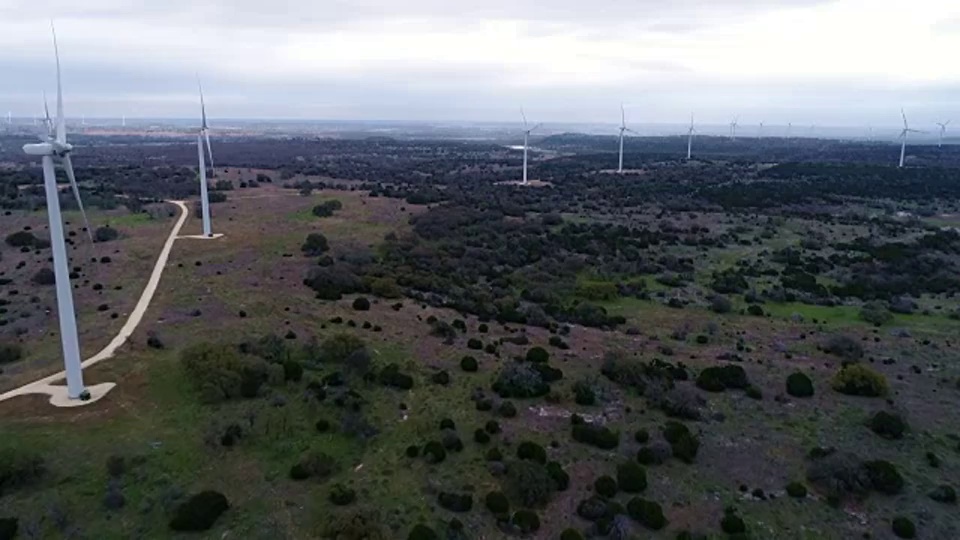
{"x": 445, "y": 324}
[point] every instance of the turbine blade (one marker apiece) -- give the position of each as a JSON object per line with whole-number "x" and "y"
{"x": 206, "y": 136}
{"x": 61, "y": 122}
{"x": 524, "y": 115}
{"x": 904, "y": 115}
{"x": 535, "y": 127}
{"x": 46, "y": 112}
{"x": 68, "y": 166}
{"x": 623, "y": 116}
{"x": 203, "y": 108}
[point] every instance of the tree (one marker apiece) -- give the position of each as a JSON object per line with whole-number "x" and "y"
{"x": 315, "y": 244}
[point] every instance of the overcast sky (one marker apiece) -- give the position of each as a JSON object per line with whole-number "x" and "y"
{"x": 829, "y": 62}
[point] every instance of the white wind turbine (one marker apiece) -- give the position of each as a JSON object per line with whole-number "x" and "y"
{"x": 623, "y": 128}
{"x": 526, "y": 139}
{"x": 690, "y": 138}
{"x": 204, "y": 136}
{"x": 903, "y": 136}
{"x": 55, "y": 145}
{"x": 760, "y": 131}
{"x": 943, "y": 129}
{"x": 733, "y": 128}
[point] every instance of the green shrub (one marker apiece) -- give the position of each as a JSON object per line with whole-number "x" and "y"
{"x": 105, "y": 234}
{"x": 641, "y": 436}
{"x": 732, "y": 523}
{"x": 493, "y": 454}
{"x": 497, "y": 503}
{"x": 391, "y": 376}
{"x": 538, "y": 355}
{"x": 755, "y": 310}
{"x": 455, "y": 502}
{"x": 441, "y": 378}
{"x": 21, "y": 239}
{"x": 468, "y": 364}
{"x": 419, "y": 532}
{"x": 413, "y": 451}
{"x": 944, "y": 494}
{"x": 561, "y": 479}
{"x": 199, "y": 512}
{"x": 10, "y": 353}
{"x": 314, "y": 463}
{"x": 481, "y": 437}
{"x": 44, "y": 276}
{"x": 520, "y": 381}
{"x": 315, "y": 244}
{"x": 721, "y": 304}
{"x": 631, "y": 478}
{"x": 903, "y": 527}
{"x": 875, "y": 313}
{"x": 571, "y": 534}
{"x": 796, "y": 490}
{"x": 8, "y": 528}
{"x": 605, "y": 486}
{"x": 532, "y": 451}
{"x": 754, "y": 393}
{"x": 647, "y": 513}
{"x": 361, "y": 304}
{"x": 888, "y": 425}
{"x": 583, "y": 393}
{"x": 220, "y": 372}
{"x": 434, "y": 452}
{"x": 596, "y": 435}
{"x": 327, "y": 208}
{"x": 529, "y": 483}
{"x": 492, "y": 427}
{"x": 799, "y": 385}
{"x": 338, "y": 348}
{"x": 292, "y": 371}
{"x": 859, "y": 380}
{"x": 843, "y": 346}
{"x": 884, "y": 476}
{"x": 19, "y": 467}
{"x": 507, "y": 409}
{"x": 526, "y": 521}
{"x": 341, "y": 495}
{"x": 719, "y": 378}
{"x": 683, "y": 444}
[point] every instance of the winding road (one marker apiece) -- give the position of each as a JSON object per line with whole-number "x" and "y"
{"x": 58, "y": 392}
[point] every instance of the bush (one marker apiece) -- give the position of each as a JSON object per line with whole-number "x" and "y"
{"x": 341, "y": 495}
{"x": 420, "y": 532}
{"x": 631, "y": 478}
{"x": 526, "y": 521}
{"x": 682, "y": 443}
{"x": 413, "y": 451}
{"x": 719, "y": 378}
{"x": 583, "y": 393}
{"x": 641, "y": 436}
{"x": 532, "y": 451}
{"x": 292, "y": 371}
{"x": 323, "y": 426}
{"x": 492, "y": 427}
{"x": 903, "y": 527}
{"x": 887, "y": 425}
{"x": 361, "y": 304}
{"x": 469, "y": 364}
{"x": 755, "y": 310}
{"x": 315, "y": 245}
{"x": 21, "y": 239}
{"x": 338, "y": 348}
{"x": 391, "y": 376}
{"x": 434, "y": 452}
{"x": 875, "y": 313}
{"x": 561, "y": 479}
{"x": 843, "y": 346}
{"x": 507, "y": 409}
{"x": 8, "y": 528}
{"x": 10, "y": 353}
{"x": 441, "y": 378}
{"x": 520, "y": 381}
{"x": 199, "y": 512}
{"x": 592, "y": 509}
{"x": 528, "y": 482}
{"x": 105, "y": 234}
{"x": 796, "y": 490}
{"x": 447, "y": 423}
{"x": 732, "y": 523}
{"x": 647, "y": 513}
{"x": 451, "y": 441}
{"x": 943, "y": 494}
{"x": 799, "y": 385}
{"x": 18, "y": 468}
{"x": 605, "y": 486}
{"x": 455, "y": 502}
{"x": 44, "y": 276}
{"x": 327, "y": 208}
{"x": 596, "y": 435}
{"x": 571, "y": 534}
{"x": 497, "y": 503}
{"x": 884, "y": 477}
{"x": 721, "y": 304}
{"x": 859, "y": 380}
{"x": 314, "y": 463}
{"x": 480, "y": 436}
{"x": 474, "y": 344}
{"x": 220, "y": 372}
{"x": 538, "y": 355}
{"x": 493, "y": 454}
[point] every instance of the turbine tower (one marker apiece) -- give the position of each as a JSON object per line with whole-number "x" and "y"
{"x": 623, "y": 128}
{"x": 943, "y": 129}
{"x": 204, "y": 136}
{"x": 54, "y": 145}
{"x": 789, "y": 128}
{"x": 526, "y": 139}
{"x": 733, "y": 128}
{"x": 690, "y": 138}
{"x": 903, "y": 136}
{"x": 760, "y": 131}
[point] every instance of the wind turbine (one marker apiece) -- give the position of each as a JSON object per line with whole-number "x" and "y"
{"x": 9, "y": 118}
{"x": 204, "y": 135}
{"x": 903, "y": 135}
{"x": 623, "y": 128}
{"x": 55, "y": 145}
{"x": 733, "y": 128}
{"x": 943, "y": 129}
{"x": 789, "y": 128}
{"x": 690, "y": 138}
{"x": 760, "y": 131}
{"x": 526, "y": 139}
